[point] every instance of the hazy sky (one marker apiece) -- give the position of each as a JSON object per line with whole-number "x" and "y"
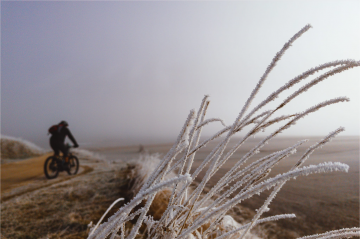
{"x": 130, "y": 72}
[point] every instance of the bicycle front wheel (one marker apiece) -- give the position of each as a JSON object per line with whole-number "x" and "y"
{"x": 73, "y": 165}
{"x": 51, "y": 167}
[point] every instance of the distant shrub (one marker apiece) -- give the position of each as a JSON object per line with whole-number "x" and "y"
{"x": 17, "y": 148}
{"x": 195, "y": 214}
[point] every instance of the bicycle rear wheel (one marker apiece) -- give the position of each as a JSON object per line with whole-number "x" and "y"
{"x": 73, "y": 165}
{"x": 51, "y": 167}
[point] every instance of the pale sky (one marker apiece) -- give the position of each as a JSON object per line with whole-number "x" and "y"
{"x": 130, "y": 72}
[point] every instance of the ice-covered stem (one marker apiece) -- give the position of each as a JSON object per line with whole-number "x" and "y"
{"x": 276, "y": 132}
{"x": 125, "y": 210}
{"x": 258, "y": 86}
{"x": 342, "y": 233}
{"x": 258, "y": 164}
{"x": 215, "y": 136}
{"x": 311, "y": 149}
{"x": 255, "y": 129}
{"x": 174, "y": 166}
{"x": 172, "y": 152}
{"x": 237, "y": 146}
{"x": 278, "y": 187}
{"x": 263, "y": 208}
{"x": 293, "y": 82}
{"x": 300, "y": 162}
{"x": 199, "y": 189}
{"x": 256, "y": 173}
{"x": 205, "y": 122}
{"x": 223, "y": 180}
{"x": 253, "y": 120}
{"x": 213, "y": 157}
{"x": 206, "y": 160}
{"x": 200, "y": 115}
{"x": 260, "y": 170}
{"x": 270, "y": 67}
{"x": 197, "y": 147}
{"x": 177, "y": 200}
{"x": 145, "y": 209}
{"x": 188, "y": 135}
{"x": 202, "y": 111}
{"x": 267, "y": 219}
{"x": 320, "y": 168}
{"x": 106, "y": 228}
{"x": 192, "y": 132}
{"x": 218, "y": 134}
{"x": 141, "y": 218}
{"x": 319, "y": 79}
{"x": 123, "y": 231}
{"x": 348, "y": 64}
{"x": 210, "y": 157}
{"x": 273, "y": 121}
{"x": 224, "y": 130}
{"x": 248, "y": 102}
{"x": 113, "y": 204}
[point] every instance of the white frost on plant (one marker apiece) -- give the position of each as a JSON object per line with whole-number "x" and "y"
{"x": 342, "y": 233}
{"x": 196, "y": 214}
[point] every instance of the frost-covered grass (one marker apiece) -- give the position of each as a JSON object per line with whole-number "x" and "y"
{"x": 64, "y": 209}
{"x": 16, "y": 148}
{"x": 193, "y": 214}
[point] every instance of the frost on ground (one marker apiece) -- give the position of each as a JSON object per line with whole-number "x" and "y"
{"x": 63, "y": 209}
{"x": 17, "y": 148}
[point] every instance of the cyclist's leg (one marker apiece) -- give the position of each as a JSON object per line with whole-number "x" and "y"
{"x": 55, "y": 146}
{"x": 64, "y": 150}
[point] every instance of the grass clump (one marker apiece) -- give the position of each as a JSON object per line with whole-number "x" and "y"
{"x": 17, "y": 148}
{"x": 195, "y": 214}
{"x": 62, "y": 210}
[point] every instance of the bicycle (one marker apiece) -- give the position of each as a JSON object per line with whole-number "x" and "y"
{"x": 55, "y": 164}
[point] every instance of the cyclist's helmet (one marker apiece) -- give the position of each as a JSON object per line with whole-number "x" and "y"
{"x": 64, "y": 123}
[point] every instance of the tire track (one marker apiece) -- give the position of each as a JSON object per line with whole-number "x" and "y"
{"x": 86, "y": 169}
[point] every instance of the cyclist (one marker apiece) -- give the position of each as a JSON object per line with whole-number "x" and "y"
{"x": 58, "y": 134}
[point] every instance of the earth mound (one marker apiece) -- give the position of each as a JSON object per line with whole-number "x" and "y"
{"x": 17, "y": 148}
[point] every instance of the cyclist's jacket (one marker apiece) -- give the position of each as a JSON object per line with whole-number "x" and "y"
{"x": 61, "y": 134}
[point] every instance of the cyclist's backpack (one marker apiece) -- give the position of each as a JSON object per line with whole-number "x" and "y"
{"x": 53, "y": 129}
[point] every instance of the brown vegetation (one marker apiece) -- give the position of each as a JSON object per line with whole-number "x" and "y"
{"x": 22, "y": 172}
{"x": 12, "y": 148}
{"x": 62, "y": 210}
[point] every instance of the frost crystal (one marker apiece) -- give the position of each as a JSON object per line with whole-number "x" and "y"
{"x": 193, "y": 213}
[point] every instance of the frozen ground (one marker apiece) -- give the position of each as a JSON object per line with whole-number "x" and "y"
{"x": 322, "y": 202}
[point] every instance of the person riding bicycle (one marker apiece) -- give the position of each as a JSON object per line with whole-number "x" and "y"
{"x": 58, "y": 134}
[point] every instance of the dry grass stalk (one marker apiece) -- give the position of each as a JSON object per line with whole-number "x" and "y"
{"x": 192, "y": 215}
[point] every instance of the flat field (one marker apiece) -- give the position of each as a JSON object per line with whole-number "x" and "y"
{"x": 321, "y": 202}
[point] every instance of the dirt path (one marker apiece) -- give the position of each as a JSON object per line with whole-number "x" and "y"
{"x": 22, "y": 172}
{"x": 35, "y": 207}
{"x": 27, "y": 175}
